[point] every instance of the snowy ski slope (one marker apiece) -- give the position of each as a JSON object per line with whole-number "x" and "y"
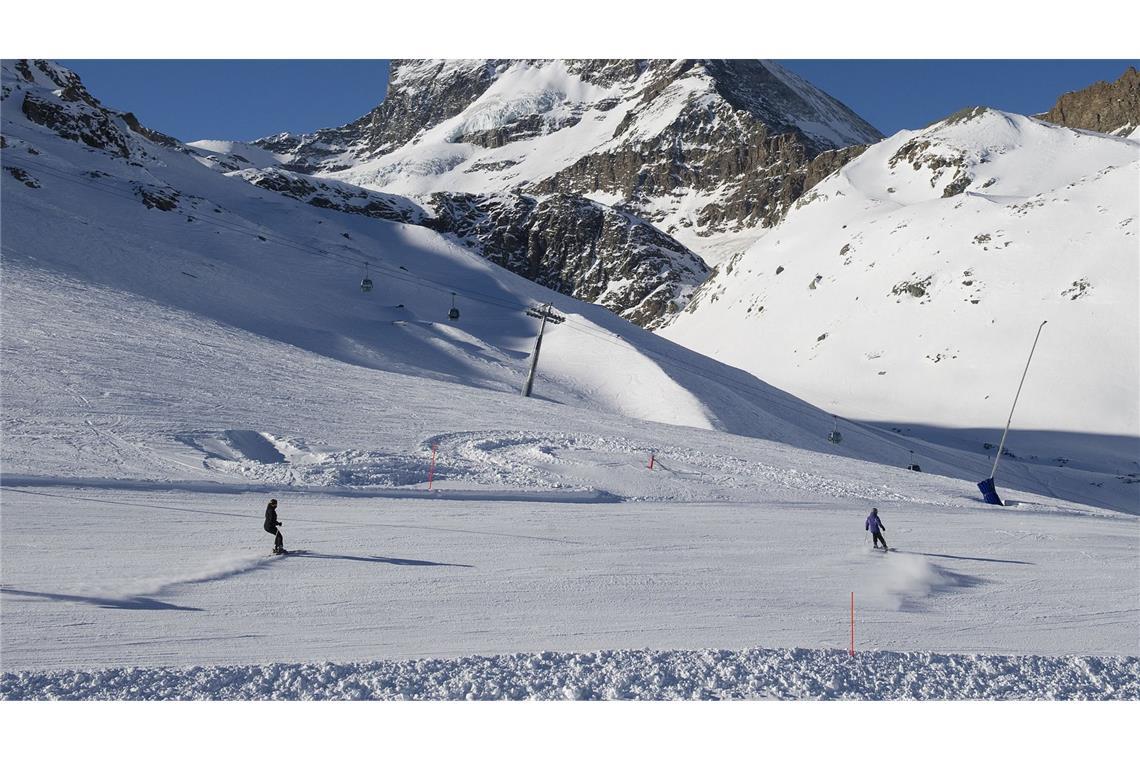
{"x": 165, "y": 371}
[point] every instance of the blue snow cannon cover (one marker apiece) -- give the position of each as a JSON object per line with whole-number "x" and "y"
{"x": 989, "y": 493}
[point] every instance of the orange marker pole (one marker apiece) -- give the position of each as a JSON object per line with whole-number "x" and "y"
{"x": 431, "y": 470}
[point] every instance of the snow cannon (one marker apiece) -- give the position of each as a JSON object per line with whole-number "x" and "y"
{"x": 989, "y": 492}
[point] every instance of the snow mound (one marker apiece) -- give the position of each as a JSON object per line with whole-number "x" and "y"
{"x": 614, "y": 675}
{"x": 289, "y": 461}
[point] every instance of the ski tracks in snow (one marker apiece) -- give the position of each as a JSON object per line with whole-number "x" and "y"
{"x": 620, "y": 465}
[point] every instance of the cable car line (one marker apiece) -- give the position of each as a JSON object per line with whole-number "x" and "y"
{"x": 407, "y": 276}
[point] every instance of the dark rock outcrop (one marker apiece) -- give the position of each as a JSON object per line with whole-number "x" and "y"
{"x": 578, "y": 247}
{"x": 55, "y": 98}
{"x": 420, "y": 95}
{"x": 735, "y": 134}
{"x": 739, "y": 145}
{"x": 716, "y": 146}
{"x": 73, "y": 113}
{"x": 335, "y": 195}
{"x": 1111, "y": 107}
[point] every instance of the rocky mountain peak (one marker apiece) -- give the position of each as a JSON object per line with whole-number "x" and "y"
{"x": 423, "y": 93}
{"x": 1110, "y": 107}
{"x": 54, "y": 97}
{"x": 509, "y": 154}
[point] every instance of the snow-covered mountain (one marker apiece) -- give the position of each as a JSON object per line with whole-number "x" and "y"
{"x": 179, "y": 342}
{"x": 908, "y": 287}
{"x": 95, "y": 204}
{"x": 114, "y": 216}
{"x": 710, "y": 152}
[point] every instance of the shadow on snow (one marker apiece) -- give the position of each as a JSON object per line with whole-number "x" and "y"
{"x": 111, "y": 603}
{"x": 971, "y": 559}
{"x": 386, "y": 560}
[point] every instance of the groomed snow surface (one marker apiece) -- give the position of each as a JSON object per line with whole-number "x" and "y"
{"x": 165, "y": 371}
{"x": 129, "y": 589}
{"x": 609, "y": 674}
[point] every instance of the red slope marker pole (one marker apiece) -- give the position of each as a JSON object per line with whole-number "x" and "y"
{"x": 431, "y": 470}
{"x": 852, "y": 650}
{"x": 652, "y": 454}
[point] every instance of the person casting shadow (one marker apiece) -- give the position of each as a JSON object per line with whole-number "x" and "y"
{"x": 271, "y": 523}
{"x": 875, "y": 525}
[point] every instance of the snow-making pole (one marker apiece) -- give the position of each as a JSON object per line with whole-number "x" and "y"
{"x": 546, "y": 314}
{"x": 1001, "y": 445}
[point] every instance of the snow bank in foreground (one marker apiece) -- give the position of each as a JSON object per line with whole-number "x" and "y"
{"x": 628, "y": 674}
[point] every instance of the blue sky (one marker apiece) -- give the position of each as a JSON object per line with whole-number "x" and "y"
{"x": 896, "y": 95}
{"x": 243, "y": 99}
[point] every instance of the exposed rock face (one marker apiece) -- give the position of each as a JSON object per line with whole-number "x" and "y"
{"x": 335, "y": 195}
{"x": 748, "y": 168}
{"x": 943, "y": 161}
{"x": 1113, "y": 107}
{"x": 743, "y": 136}
{"x": 74, "y": 113}
{"x": 578, "y": 247}
{"x": 420, "y": 95}
{"x": 736, "y": 140}
{"x": 54, "y": 98}
{"x": 695, "y": 148}
{"x": 827, "y": 162}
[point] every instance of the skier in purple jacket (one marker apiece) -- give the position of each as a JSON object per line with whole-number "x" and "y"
{"x": 875, "y": 525}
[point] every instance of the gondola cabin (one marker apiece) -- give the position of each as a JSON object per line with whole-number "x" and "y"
{"x": 835, "y": 436}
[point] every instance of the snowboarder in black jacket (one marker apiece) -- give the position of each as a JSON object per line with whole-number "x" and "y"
{"x": 875, "y": 525}
{"x": 271, "y": 523}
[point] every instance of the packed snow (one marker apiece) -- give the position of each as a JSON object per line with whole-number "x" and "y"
{"x": 179, "y": 345}
{"x": 186, "y": 575}
{"x": 623, "y": 674}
